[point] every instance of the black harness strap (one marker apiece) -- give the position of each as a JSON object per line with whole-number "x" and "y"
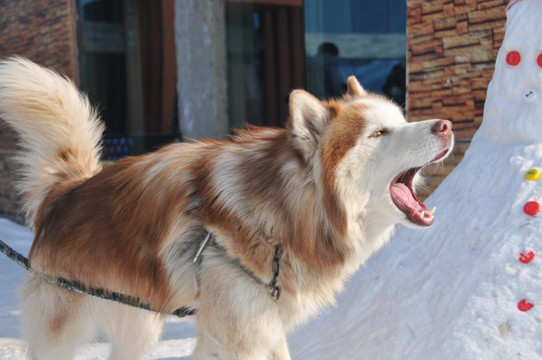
{"x": 81, "y": 289}
{"x": 14, "y": 255}
{"x": 273, "y": 286}
{"x": 124, "y": 299}
{"x": 275, "y": 289}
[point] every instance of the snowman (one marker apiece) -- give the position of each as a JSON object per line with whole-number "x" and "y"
{"x": 470, "y": 286}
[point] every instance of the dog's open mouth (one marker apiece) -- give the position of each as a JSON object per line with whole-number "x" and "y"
{"x": 402, "y": 194}
{"x": 404, "y": 198}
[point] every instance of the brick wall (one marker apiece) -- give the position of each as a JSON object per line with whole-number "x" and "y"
{"x": 452, "y": 47}
{"x": 43, "y": 31}
{"x": 8, "y": 198}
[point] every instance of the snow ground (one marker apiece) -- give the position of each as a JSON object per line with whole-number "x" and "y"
{"x": 178, "y": 340}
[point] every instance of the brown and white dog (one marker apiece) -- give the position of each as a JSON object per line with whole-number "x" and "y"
{"x": 328, "y": 191}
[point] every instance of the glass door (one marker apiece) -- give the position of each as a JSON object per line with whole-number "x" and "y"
{"x": 365, "y": 38}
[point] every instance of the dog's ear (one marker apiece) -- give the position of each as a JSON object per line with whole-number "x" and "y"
{"x": 354, "y": 87}
{"x": 308, "y": 118}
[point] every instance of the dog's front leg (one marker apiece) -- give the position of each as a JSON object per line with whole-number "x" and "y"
{"x": 237, "y": 318}
{"x": 252, "y": 338}
{"x": 281, "y": 352}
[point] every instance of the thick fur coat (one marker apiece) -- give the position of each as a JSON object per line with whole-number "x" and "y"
{"x": 329, "y": 190}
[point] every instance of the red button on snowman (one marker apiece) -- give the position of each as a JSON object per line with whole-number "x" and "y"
{"x": 531, "y": 208}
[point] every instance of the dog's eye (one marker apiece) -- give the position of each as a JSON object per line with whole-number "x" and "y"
{"x": 379, "y": 133}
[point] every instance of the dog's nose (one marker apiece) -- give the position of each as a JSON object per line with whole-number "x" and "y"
{"x": 442, "y": 128}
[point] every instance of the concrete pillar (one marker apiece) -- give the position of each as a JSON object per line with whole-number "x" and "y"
{"x": 200, "y": 37}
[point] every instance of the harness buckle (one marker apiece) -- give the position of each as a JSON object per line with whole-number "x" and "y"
{"x": 275, "y": 292}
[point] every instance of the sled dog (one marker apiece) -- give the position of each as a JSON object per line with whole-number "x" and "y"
{"x": 288, "y": 213}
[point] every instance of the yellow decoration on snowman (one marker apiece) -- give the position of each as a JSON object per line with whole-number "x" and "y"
{"x": 533, "y": 175}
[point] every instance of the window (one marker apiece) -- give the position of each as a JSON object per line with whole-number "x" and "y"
{"x": 275, "y": 46}
{"x": 127, "y": 66}
{"x": 365, "y": 38}
{"x": 103, "y": 59}
{"x": 265, "y": 48}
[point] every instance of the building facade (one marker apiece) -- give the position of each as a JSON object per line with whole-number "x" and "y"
{"x": 165, "y": 70}
{"x": 452, "y": 46}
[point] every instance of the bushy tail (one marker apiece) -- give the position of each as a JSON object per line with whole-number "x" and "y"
{"x": 59, "y": 131}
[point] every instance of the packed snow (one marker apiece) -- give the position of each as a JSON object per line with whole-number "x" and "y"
{"x": 178, "y": 340}
{"x": 470, "y": 286}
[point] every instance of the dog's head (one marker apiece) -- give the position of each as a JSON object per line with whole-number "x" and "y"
{"x": 365, "y": 155}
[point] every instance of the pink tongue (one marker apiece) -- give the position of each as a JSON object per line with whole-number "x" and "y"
{"x": 403, "y": 194}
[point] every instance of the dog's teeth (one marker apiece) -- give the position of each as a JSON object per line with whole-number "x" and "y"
{"x": 432, "y": 211}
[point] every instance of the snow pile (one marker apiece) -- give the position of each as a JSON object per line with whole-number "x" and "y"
{"x": 468, "y": 287}
{"x": 11, "y": 275}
